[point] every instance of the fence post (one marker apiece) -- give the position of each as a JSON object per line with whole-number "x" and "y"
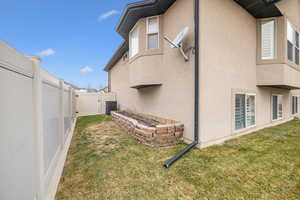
{"x": 39, "y": 136}
{"x": 62, "y": 113}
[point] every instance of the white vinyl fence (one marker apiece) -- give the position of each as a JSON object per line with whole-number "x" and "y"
{"x": 92, "y": 103}
{"x": 37, "y": 117}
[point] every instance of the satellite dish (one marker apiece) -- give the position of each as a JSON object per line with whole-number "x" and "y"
{"x": 180, "y": 37}
{"x": 177, "y": 42}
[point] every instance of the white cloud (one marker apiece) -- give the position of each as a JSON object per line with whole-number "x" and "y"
{"x": 47, "y": 52}
{"x": 107, "y": 14}
{"x": 86, "y": 69}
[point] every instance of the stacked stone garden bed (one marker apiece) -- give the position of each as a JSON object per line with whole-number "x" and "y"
{"x": 149, "y": 130}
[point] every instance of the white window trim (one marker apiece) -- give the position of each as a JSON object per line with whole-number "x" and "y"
{"x": 278, "y": 118}
{"x": 130, "y": 50}
{"x": 275, "y": 39}
{"x": 247, "y": 127}
{"x": 147, "y": 31}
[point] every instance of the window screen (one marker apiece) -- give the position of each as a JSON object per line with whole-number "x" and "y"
{"x": 290, "y": 50}
{"x": 244, "y": 111}
{"x": 250, "y": 110}
{"x": 292, "y": 44}
{"x": 294, "y": 105}
{"x": 275, "y": 107}
{"x": 280, "y": 107}
{"x": 153, "y": 33}
{"x": 152, "y": 41}
{"x": 240, "y": 111}
{"x": 297, "y": 56}
{"x": 268, "y": 39}
{"x": 297, "y": 39}
{"x": 290, "y": 32}
{"x": 153, "y": 25}
{"x": 298, "y": 100}
{"x": 134, "y": 42}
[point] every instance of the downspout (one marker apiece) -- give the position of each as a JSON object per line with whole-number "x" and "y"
{"x": 196, "y": 87}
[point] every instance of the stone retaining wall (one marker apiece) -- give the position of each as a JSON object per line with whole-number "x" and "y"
{"x": 161, "y": 135}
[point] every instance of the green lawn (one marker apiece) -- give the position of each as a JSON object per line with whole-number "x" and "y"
{"x": 106, "y": 163}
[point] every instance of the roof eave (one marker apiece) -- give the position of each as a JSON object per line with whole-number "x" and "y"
{"x": 117, "y": 55}
{"x": 260, "y": 8}
{"x": 126, "y": 10}
{"x": 135, "y": 11}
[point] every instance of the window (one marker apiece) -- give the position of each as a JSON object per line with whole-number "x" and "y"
{"x": 277, "y": 107}
{"x": 294, "y": 105}
{"x": 268, "y": 40}
{"x": 153, "y": 33}
{"x": 297, "y": 55}
{"x": 293, "y": 44}
{"x": 244, "y": 111}
{"x": 134, "y": 42}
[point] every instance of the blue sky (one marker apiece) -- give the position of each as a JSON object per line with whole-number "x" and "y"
{"x": 75, "y": 38}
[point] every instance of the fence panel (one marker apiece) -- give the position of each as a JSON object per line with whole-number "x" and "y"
{"x": 51, "y": 118}
{"x": 36, "y": 119}
{"x": 92, "y": 103}
{"x": 16, "y": 138}
{"x": 67, "y": 112}
{"x": 88, "y": 104}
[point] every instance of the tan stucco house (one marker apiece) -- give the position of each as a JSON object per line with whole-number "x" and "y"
{"x": 243, "y": 72}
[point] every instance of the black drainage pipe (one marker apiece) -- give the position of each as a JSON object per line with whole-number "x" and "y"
{"x": 180, "y": 154}
{"x": 196, "y": 112}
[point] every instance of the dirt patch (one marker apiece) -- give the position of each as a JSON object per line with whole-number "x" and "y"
{"x": 104, "y": 136}
{"x": 104, "y": 126}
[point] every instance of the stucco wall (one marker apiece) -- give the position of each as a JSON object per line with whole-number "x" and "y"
{"x": 175, "y": 97}
{"x": 228, "y": 65}
{"x": 291, "y": 9}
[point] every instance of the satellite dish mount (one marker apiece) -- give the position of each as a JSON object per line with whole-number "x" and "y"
{"x": 178, "y": 42}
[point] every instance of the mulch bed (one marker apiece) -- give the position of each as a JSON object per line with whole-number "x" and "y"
{"x": 143, "y": 120}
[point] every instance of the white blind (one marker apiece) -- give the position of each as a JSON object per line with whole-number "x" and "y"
{"x": 294, "y": 105}
{"x": 277, "y": 107}
{"x": 240, "y": 122}
{"x": 274, "y": 107}
{"x": 134, "y": 42}
{"x": 268, "y": 40}
{"x": 250, "y": 110}
{"x": 280, "y": 106}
